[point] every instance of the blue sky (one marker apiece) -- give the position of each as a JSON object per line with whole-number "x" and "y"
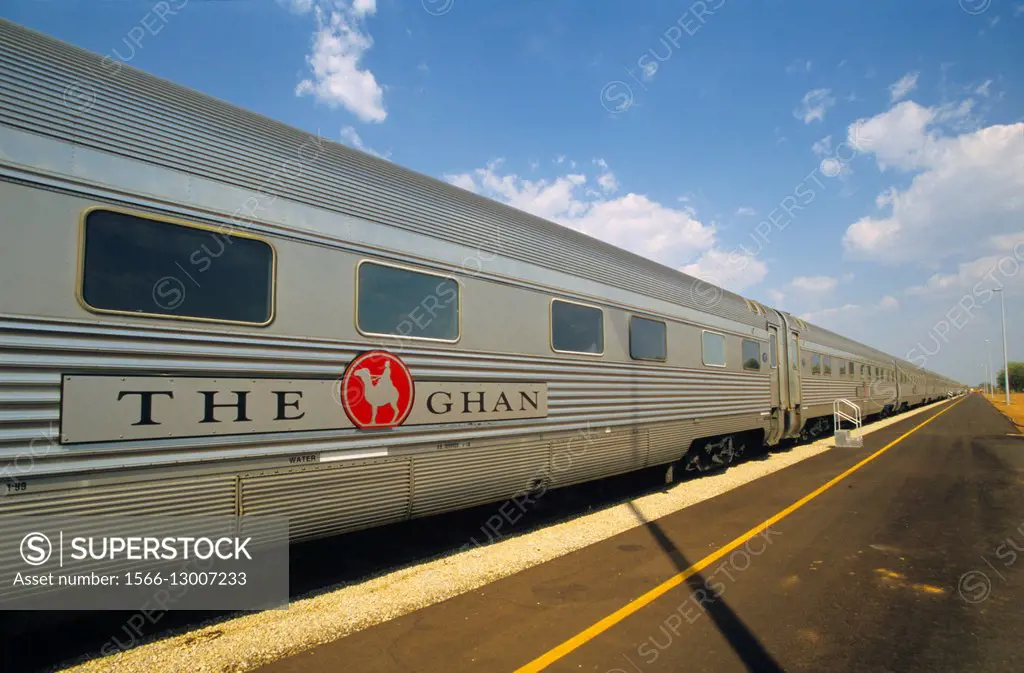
{"x": 680, "y": 130}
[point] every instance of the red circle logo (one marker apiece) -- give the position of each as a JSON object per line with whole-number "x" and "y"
{"x": 377, "y": 390}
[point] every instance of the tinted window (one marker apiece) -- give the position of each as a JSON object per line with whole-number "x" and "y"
{"x": 826, "y": 363}
{"x": 713, "y": 349}
{"x": 406, "y": 303}
{"x": 815, "y": 363}
{"x": 773, "y": 347}
{"x": 751, "y": 355}
{"x": 646, "y": 339}
{"x": 139, "y": 265}
{"x": 575, "y": 328}
{"x": 842, "y": 367}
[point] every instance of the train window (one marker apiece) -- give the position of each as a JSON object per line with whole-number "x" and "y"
{"x": 826, "y": 363}
{"x": 576, "y": 328}
{"x": 395, "y": 301}
{"x": 842, "y": 367}
{"x": 793, "y": 359}
{"x": 647, "y": 339}
{"x": 773, "y": 348}
{"x": 751, "y": 355}
{"x": 862, "y": 375}
{"x": 713, "y": 349}
{"x": 140, "y": 265}
{"x": 815, "y": 363}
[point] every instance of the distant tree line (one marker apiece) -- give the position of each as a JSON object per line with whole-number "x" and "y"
{"x": 1016, "y": 378}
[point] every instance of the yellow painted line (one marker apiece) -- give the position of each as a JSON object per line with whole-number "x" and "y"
{"x": 596, "y": 629}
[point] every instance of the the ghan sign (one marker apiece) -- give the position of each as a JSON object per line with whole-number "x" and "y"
{"x": 116, "y": 408}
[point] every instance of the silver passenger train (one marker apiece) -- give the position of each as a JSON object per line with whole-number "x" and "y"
{"x": 204, "y": 311}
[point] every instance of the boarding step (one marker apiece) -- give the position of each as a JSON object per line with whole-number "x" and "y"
{"x": 848, "y": 439}
{"x": 845, "y": 410}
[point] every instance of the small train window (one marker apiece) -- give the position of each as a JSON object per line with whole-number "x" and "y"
{"x": 815, "y": 363}
{"x": 647, "y": 339}
{"x": 842, "y": 367}
{"x": 395, "y": 301}
{"x": 773, "y": 348}
{"x": 139, "y": 265}
{"x": 751, "y": 355}
{"x": 576, "y": 328}
{"x": 712, "y": 346}
{"x": 826, "y": 363}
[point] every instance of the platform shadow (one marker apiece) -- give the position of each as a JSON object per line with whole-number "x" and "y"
{"x": 742, "y": 640}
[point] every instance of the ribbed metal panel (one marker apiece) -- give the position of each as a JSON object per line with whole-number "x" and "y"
{"x": 34, "y": 354}
{"x": 199, "y": 496}
{"x": 146, "y": 118}
{"x": 817, "y": 390}
{"x": 594, "y": 453}
{"x": 327, "y": 501}
{"x": 454, "y": 478}
{"x": 212, "y": 495}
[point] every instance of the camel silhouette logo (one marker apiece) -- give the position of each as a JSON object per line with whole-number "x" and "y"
{"x": 377, "y": 390}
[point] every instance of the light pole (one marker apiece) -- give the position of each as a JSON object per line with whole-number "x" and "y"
{"x": 991, "y": 374}
{"x": 1006, "y": 361}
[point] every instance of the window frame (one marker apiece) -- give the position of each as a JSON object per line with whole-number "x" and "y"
{"x": 404, "y": 267}
{"x": 551, "y": 328}
{"x": 632, "y": 316}
{"x": 187, "y": 224}
{"x": 725, "y": 355}
{"x": 743, "y": 359}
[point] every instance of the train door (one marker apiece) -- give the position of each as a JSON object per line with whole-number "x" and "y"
{"x": 789, "y": 377}
{"x": 779, "y": 385}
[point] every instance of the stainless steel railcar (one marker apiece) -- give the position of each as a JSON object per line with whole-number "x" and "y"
{"x": 205, "y": 311}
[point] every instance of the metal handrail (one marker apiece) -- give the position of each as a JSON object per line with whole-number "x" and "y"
{"x": 839, "y": 415}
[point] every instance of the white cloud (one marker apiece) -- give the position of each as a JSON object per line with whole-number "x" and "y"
{"x": 607, "y": 180}
{"x": 351, "y": 137}
{"x": 735, "y": 270}
{"x": 339, "y": 43}
{"x": 814, "y": 284}
{"x": 635, "y": 222}
{"x": 814, "y": 105}
{"x": 964, "y": 188}
{"x": 799, "y": 65}
{"x": 988, "y": 271}
{"x": 830, "y": 316}
{"x": 746, "y": 210}
{"x": 889, "y": 302}
{"x": 983, "y": 88}
{"x": 823, "y": 147}
{"x": 297, "y": 6}
{"x": 903, "y": 86}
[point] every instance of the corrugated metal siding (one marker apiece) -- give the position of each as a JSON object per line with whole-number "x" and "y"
{"x": 327, "y": 501}
{"x": 33, "y": 355}
{"x": 210, "y": 495}
{"x": 818, "y": 390}
{"x": 455, "y": 478}
{"x": 146, "y": 118}
{"x": 592, "y": 454}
